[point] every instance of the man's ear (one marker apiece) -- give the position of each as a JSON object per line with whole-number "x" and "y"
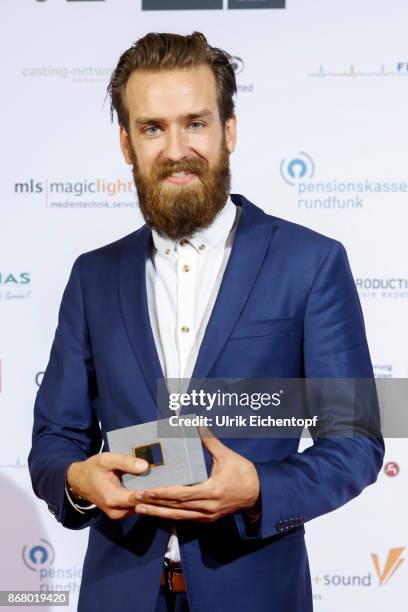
{"x": 125, "y": 145}
{"x": 230, "y": 131}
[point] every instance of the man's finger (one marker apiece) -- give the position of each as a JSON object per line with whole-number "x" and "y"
{"x": 214, "y": 446}
{"x": 175, "y": 493}
{"x": 115, "y": 495}
{"x": 124, "y": 463}
{"x": 205, "y": 506}
{"x": 170, "y": 513}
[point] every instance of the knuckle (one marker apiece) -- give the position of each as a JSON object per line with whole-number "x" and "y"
{"x": 216, "y": 491}
{"x": 209, "y": 518}
{"x": 214, "y": 506}
{"x": 104, "y": 460}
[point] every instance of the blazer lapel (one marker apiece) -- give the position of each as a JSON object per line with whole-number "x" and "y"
{"x": 248, "y": 252}
{"x": 133, "y": 297}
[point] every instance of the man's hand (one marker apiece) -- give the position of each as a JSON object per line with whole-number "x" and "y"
{"x": 97, "y": 480}
{"x": 232, "y": 486}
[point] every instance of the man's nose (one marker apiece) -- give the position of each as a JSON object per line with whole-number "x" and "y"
{"x": 176, "y": 145}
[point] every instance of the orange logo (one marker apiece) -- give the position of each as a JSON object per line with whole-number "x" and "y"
{"x": 392, "y": 563}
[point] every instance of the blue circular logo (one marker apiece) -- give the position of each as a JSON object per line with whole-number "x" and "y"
{"x": 297, "y": 169}
{"x": 38, "y": 555}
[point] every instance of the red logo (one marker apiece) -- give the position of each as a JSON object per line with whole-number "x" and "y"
{"x": 391, "y": 469}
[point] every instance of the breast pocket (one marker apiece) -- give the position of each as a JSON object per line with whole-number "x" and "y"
{"x": 263, "y": 327}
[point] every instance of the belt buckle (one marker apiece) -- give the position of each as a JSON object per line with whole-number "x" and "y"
{"x": 168, "y": 575}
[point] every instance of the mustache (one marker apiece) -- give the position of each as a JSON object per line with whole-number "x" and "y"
{"x": 193, "y": 165}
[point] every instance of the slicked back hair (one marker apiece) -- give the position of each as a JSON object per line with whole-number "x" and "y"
{"x": 164, "y": 51}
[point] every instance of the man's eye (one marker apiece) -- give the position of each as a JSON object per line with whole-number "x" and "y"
{"x": 152, "y": 130}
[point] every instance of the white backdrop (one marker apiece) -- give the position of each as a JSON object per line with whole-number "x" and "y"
{"x": 323, "y": 90}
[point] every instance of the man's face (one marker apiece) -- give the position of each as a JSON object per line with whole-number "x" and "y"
{"x": 178, "y": 148}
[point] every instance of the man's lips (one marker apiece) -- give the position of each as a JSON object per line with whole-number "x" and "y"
{"x": 180, "y": 178}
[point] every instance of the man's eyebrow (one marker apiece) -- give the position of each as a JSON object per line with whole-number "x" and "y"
{"x": 189, "y": 117}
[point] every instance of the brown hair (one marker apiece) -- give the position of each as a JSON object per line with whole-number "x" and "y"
{"x": 163, "y": 51}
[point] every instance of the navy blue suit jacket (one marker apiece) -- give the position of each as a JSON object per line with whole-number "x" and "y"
{"x": 287, "y": 308}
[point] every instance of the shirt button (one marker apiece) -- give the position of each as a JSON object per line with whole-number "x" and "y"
{"x": 167, "y": 251}
{"x": 185, "y": 329}
{"x": 183, "y": 242}
{"x": 201, "y": 247}
{"x": 186, "y": 268}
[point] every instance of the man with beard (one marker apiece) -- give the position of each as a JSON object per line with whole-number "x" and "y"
{"x": 210, "y": 286}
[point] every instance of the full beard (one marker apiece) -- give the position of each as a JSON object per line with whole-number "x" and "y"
{"x": 178, "y": 211}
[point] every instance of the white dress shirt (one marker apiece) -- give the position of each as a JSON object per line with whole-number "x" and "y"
{"x": 182, "y": 282}
{"x": 182, "y": 279}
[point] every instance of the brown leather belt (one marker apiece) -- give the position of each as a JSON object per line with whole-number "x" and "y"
{"x": 172, "y": 578}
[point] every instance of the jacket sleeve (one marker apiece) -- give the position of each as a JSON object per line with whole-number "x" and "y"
{"x": 339, "y": 464}
{"x": 65, "y": 427}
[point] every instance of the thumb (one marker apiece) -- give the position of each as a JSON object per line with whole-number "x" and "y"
{"x": 125, "y": 463}
{"x": 214, "y": 446}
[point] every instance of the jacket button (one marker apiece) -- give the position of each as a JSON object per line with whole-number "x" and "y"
{"x": 53, "y": 509}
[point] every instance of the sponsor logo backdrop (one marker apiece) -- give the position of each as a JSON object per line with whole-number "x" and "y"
{"x": 322, "y": 136}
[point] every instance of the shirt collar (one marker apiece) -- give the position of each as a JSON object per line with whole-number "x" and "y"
{"x": 203, "y": 240}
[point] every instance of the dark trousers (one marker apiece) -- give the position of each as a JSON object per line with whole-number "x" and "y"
{"x": 171, "y": 602}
